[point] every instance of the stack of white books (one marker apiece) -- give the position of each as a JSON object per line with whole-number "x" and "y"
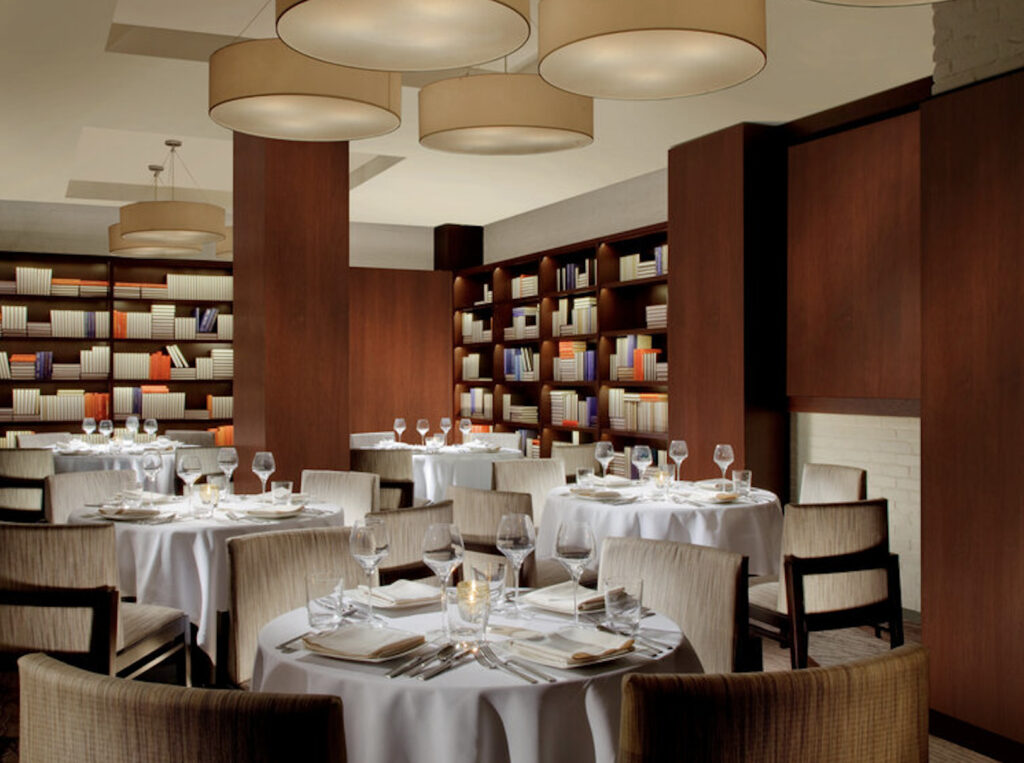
{"x": 67, "y": 371}
{"x": 183, "y": 374}
{"x": 524, "y": 286}
{"x": 26, "y": 404}
{"x": 131, "y": 365}
{"x": 8, "y": 287}
{"x": 199, "y": 288}
{"x": 657, "y": 316}
{"x": 223, "y": 362}
{"x": 184, "y": 328}
{"x": 39, "y": 329}
{"x": 95, "y": 363}
{"x": 204, "y": 368}
{"x": 153, "y": 291}
{"x": 14, "y": 320}
{"x": 225, "y": 327}
{"x": 162, "y": 321}
{"x": 126, "y": 291}
{"x": 66, "y": 405}
{"x": 163, "y": 405}
{"x": 220, "y": 406}
{"x": 33, "y": 280}
{"x": 100, "y": 289}
{"x": 23, "y": 370}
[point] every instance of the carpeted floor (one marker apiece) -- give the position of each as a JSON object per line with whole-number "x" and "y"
{"x": 835, "y": 647}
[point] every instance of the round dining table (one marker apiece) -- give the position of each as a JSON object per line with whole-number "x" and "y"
{"x": 469, "y": 713}
{"x": 465, "y": 465}
{"x": 78, "y": 456}
{"x": 749, "y": 525}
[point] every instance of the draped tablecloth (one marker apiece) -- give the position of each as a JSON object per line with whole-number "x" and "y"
{"x": 184, "y": 563}
{"x": 433, "y": 472}
{"x": 469, "y": 713}
{"x": 95, "y": 462}
{"x": 752, "y": 527}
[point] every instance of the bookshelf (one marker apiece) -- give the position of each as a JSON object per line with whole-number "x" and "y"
{"x": 114, "y": 336}
{"x": 565, "y": 327}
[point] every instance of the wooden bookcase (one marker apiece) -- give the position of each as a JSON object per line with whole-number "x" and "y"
{"x": 66, "y": 350}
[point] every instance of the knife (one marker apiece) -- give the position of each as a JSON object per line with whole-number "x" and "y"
{"x": 415, "y": 662}
{"x": 459, "y": 659}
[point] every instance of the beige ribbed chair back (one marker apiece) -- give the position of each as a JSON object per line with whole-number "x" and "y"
{"x": 71, "y": 714}
{"x": 829, "y": 483}
{"x": 500, "y": 439}
{"x": 873, "y": 710}
{"x": 536, "y": 476}
{"x": 42, "y": 439}
{"x": 17, "y": 466}
{"x": 704, "y": 590}
{"x": 268, "y": 578}
{"x": 406, "y": 528}
{"x": 70, "y": 491}
{"x": 478, "y": 513}
{"x": 575, "y": 457}
{"x": 392, "y": 466}
{"x": 358, "y": 493}
{"x": 369, "y": 439}
{"x": 827, "y": 529}
{"x": 198, "y": 437}
{"x": 207, "y": 460}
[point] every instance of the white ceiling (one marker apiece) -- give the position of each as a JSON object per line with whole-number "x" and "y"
{"x": 76, "y": 118}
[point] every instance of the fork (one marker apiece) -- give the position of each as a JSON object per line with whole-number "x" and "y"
{"x": 488, "y": 659}
{"x": 510, "y": 663}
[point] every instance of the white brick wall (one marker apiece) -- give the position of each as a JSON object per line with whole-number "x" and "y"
{"x": 889, "y": 447}
{"x": 976, "y": 39}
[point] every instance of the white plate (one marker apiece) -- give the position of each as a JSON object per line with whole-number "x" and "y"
{"x": 269, "y": 513}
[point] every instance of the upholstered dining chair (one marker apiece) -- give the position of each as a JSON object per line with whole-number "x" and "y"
{"x": 394, "y": 467}
{"x": 42, "y": 439}
{"x": 406, "y": 528}
{"x": 369, "y": 439}
{"x": 835, "y": 558}
{"x": 498, "y": 439}
{"x": 358, "y": 493}
{"x": 702, "y": 589}
{"x": 575, "y": 457}
{"x": 207, "y": 456}
{"x": 22, "y": 484}
{"x": 830, "y": 483}
{"x": 69, "y": 491}
{"x": 83, "y": 556}
{"x": 536, "y": 476}
{"x": 872, "y": 710}
{"x": 268, "y": 578}
{"x": 199, "y": 437}
{"x": 71, "y": 714}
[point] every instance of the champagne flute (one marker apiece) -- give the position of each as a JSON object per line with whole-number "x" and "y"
{"x": 446, "y": 427}
{"x": 149, "y": 426}
{"x": 678, "y": 452}
{"x": 723, "y": 457}
{"x": 263, "y": 466}
{"x": 516, "y": 540}
{"x": 227, "y": 460}
{"x": 399, "y": 427}
{"x": 152, "y": 464}
{"x": 423, "y": 426}
{"x": 107, "y": 428}
{"x": 465, "y": 426}
{"x": 368, "y": 544}
{"x": 189, "y": 470}
{"x": 642, "y": 458}
{"x": 443, "y": 550}
{"x": 604, "y": 454}
{"x": 574, "y": 548}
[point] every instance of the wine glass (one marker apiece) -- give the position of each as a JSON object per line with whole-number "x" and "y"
{"x": 189, "y": 470}
{"x": 604, "y": 454}
{"x": 263, "y": 466}
{"x": 368, "y": 544}
{"x": 723, "y": 457}
{"x": 107, "y": 428}
{"x": 88, "y": 425}
{"x": 574, "y": 548}
{"x": 516, "y": 540}
{"x": 678, "y": 452}
{"x": 465, "y": 426}
{"x": 132, "y": 424}
{"x": 227, "y": 460}
{"x": 152, "y": 464}
{"x": 446, "y": 427}
{"x": 443, "y": 550}
{"x": 149, "y": 426}
{"x": 399, "y": 427}
{"x": 642, "y": 458}
{"x": 423, "y": 426}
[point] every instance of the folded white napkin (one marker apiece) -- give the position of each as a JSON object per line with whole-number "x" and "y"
{"x": 117, "y": 511}
{"x": 401, "y": 593}
{"x": 363, "y": 642}
{"x": 611, "y": 480}
{"x": 596, "y": 493}
{"x": 571, "y": 647}
{"x": 558, "y": 598}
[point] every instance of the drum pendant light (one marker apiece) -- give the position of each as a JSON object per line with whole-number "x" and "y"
{"x": 264, "y": 88}
{"x": 226, "y": 248}
{"x": 503, "y": 114}
{"x": 404, "y": 35}
{"x": 650, "y": 49}
{"x": 118, "y": 245}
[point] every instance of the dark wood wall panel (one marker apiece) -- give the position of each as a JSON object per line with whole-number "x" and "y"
{"x": 400, "y": 347}
{"x": 854, "y": 263}
{"x": 291, "y": 302}
{"x": 972, "y": 405}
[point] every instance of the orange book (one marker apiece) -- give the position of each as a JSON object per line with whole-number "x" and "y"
{"x": 570, "y": 423}
{"x": 209, "y": 404}
{"x": 638, "y": 362}
{"x": 154, "y": 388}
{"x": 224, "y": 436}
{"x": 68, "y": 281}
{"x": 23, "y": 357}
{"x": 120, "y": 324}
{"x": 84, "y": 282}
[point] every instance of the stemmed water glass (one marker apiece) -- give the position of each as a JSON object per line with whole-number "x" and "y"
{"x": 516, "y": 540}
{"x": 678, "y": 452}
{"x": 189, "y": 470}
{"x": 368, "y": 544}
{"x": 107, "y": 428}
{"x": 642, "y": 458}
{"x": 399, "y": 427}
{"x": 723, "y": 457}
{"x": 443, "y": 550}
{"x": 446, "y": 427}
{"x": 149, "y": 426}
{"x": 263, "y": 466}
{"x": 423, "y": 426}
{"x": 132, "y": 425}
{"x": 152, "y": 463}
{"x": 89, "y": 425}
{"x": 465, "y": 426}
{"x": 574, "y": 548}
{"x": 604, "y": 454}
{"x": 227, "y": 460}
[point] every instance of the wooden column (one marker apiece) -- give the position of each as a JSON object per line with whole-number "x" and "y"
{"x": 972, "y": 404}
{"x": 727, "y": 280}
{"x": 291, "y": 305}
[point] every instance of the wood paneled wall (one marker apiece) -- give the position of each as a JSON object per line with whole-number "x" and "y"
{"x": 972, "y": 405}
{"x": 400, "y": 347}
{"x": 291, "y": 302}
{"x": 854, "y": 327}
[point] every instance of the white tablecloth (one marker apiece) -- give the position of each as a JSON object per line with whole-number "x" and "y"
{"x": 470, "y": 713}
{"x": 95, "y": 462}
{"x": 184, "y": 563}
{"x": 752, "y": 527}
{"x": 432, "y": 473}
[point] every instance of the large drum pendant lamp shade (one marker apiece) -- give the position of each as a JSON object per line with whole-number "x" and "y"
{"x": 503, "y": 114}
{"x": 264, "y": 88}
{"x": 649, "y": 49}
{"x": 186, "y": 223}
{"x": 880, "y": 3}
{"x": 226, "y": 248}
{"x": 404, "y": 35}
{"x": 117, "y": 244}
